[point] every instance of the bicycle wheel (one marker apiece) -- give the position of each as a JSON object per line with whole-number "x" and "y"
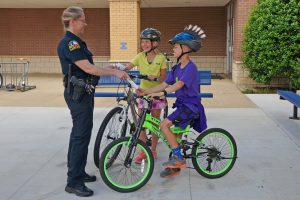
{"x": 215, "y": 153}
{"x": 119, "y": 176}
{"x": 114, "y": 126}
{"x": 1, "y": 80}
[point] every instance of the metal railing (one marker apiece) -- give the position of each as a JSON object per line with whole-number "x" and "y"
{"x": 15, "y": 76}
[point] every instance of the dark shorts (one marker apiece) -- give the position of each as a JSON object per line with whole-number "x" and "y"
{"x": 182, "y": 117}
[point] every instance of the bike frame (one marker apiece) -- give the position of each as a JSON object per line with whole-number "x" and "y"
{"x": 152, "y": 124}
{"x": 129, "y": 98}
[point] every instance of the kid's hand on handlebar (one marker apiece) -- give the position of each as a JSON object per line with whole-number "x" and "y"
{"x": 152, "y": 78}
{"x": 140, "y": 92}
{"x": 156, "y": 95}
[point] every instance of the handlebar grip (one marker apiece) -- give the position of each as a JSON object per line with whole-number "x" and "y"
{"x": 140, "y": 76}
{"x": 132, "y": 76}
{"x": 132, "y": 83}
{"x": 143, "y": 77}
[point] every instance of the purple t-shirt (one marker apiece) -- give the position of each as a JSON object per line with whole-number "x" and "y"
{"x": 188, "y": 94}
{"x": 188, "y": 75}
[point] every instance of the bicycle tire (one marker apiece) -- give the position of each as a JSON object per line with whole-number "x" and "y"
{"x": 111, "y": 174}
{"x": 222, "y": 152}
{"x": 1, "y": 80}
{"x": 98, "y": 148}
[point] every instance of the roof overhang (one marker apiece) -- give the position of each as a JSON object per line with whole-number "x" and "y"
{"x": 105, "y": 3}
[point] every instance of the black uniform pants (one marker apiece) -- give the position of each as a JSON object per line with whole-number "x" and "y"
{"x": 82, "y": 118}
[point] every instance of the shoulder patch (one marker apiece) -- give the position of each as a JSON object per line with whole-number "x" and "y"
{"x": 73, "y": 44}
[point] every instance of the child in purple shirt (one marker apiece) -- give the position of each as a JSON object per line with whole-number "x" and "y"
{"x": 183, "y": 80}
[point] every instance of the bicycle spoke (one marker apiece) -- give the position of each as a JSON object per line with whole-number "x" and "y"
{"x": 121, "y": 175}
{"x": 213, "y": 156}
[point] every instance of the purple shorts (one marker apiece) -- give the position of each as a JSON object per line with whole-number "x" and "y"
{"x": 182, "y": 117}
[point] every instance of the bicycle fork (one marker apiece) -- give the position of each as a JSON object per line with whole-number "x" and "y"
{"x": 134, "y": 141}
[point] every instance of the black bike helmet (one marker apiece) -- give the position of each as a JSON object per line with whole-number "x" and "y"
{"x": 151, "y": 34}
{"x": 191, "y": 37}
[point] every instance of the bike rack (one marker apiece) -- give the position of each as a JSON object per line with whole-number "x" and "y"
{"x": 15, "y": 76}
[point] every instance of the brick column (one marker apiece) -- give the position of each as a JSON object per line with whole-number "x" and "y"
{"x": 124, "y": 28}
{"x": 241, "y": 14}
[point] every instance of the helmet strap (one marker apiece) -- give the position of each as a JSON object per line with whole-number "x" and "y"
{"x": 182, "y": 53}
{"x": 152, "y": 48}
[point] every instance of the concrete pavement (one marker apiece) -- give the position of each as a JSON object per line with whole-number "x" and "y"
{"x": 34, "y": 142}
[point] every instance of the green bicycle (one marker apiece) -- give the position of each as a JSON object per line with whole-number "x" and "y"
{"x": 213, "y": 154}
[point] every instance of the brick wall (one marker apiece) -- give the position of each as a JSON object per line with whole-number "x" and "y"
{"x": 36, "y": 32}
{"x": 241, "y": 14}
{"x": 240, "y": 75}
{"x": 171, "y": 21}
{"x": 33, "y": 34}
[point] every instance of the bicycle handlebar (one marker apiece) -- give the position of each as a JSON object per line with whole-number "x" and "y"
{"x": 132, "y": 83}
{"x": 140, "y": 76}
{"x": 148, "y": 99}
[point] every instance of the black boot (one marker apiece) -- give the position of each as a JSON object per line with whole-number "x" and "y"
{"x": 79, "y": 190}
{"x": 88, "y": 178}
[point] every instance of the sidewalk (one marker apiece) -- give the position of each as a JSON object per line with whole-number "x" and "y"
{"x": 34, "y": 143}
{"x": 49, "y": 93}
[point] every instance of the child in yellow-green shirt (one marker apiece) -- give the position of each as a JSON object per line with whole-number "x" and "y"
{"x": 152, "y": 63}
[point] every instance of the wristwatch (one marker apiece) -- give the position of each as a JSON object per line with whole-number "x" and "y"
{"x": 165, "y": 93}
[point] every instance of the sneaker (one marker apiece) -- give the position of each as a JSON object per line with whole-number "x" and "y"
{"x": 169, "y": 172}
{"x": 141, "y": 156}
{"x": 175, "y": 162}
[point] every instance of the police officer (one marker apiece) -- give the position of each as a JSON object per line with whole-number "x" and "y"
{"x": 80, "y": 77}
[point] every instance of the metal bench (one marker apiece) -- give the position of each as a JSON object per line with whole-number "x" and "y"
{"x": 112, "y": 81}
{"x": 293, "y": 98}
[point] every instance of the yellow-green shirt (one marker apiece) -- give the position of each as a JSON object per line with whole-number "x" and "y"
{"x": 158, "y": 63}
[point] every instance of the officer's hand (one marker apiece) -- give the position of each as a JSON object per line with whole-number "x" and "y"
{"x": 112, "y": 67}
{"x": 121, "y": 75}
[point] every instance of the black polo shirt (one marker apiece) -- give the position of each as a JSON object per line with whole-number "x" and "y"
{"x": 71, "y": 49}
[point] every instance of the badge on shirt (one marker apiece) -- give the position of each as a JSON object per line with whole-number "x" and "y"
{"x": 73, "y": 45}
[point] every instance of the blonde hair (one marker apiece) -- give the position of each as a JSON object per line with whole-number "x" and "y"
{"x": 72, "y": 12}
